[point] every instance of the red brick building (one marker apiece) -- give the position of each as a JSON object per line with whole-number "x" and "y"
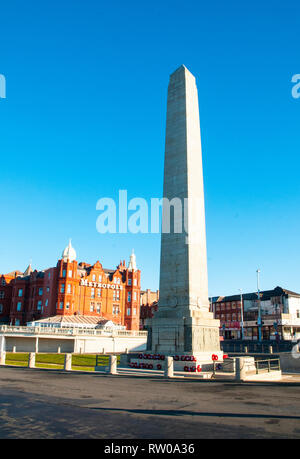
{"x": 228, "y": 311}
{"x": 72, "y": 288}
{"x": 279, "y": 310}
{"x": 149, "y": 305}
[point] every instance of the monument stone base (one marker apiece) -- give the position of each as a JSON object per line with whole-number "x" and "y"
{"x": 192, "y": 339}
{"x": 190, "y": 331}
{"x": 188, "y": 363}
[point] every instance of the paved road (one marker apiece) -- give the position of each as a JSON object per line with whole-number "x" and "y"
{"x": 53, "y": 404}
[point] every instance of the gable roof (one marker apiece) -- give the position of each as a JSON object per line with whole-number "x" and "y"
{"x": 75, "y": 319}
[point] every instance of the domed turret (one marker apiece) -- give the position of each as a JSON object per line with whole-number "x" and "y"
{"x": 69, "y": 253}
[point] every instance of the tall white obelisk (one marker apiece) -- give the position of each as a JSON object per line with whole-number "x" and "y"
{"x": 183, "y": 323}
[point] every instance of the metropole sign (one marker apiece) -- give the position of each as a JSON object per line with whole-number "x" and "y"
{"x": 99, "y": 285}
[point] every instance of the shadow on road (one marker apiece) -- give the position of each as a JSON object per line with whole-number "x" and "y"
{"x": 195, "y": 413}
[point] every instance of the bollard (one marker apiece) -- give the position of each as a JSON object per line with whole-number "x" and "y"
{"x": 14, "y": 349}
{"x": 113, "y": 364}
{"x": 68, "y": 362}
{"x": 31, "y": 360}
{"x": 58, "y": 350}
{"x": 169, "y": 367}
{"x": 246, "y": 349}
{"x": 37, "y": 345}
{"x": 214, "y": 369}
{"x": 2, "y": 357}
{"x": 240, "y": 372}
{"x": 270, "y": 349}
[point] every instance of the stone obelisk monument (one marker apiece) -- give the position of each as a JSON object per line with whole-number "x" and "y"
{"x": 183, "y": 324}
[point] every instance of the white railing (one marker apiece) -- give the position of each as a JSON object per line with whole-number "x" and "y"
{"x": 9, "y": 329}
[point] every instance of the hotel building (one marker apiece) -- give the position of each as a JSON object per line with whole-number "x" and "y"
{"x": 72, "y": 289}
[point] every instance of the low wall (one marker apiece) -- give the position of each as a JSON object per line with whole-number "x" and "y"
{"x": 109, "y": 344}
{"x": 23, "y": 344}
{"x": 53, "y": 345}
{"x": 289, "y": 363}
{"x": 80, "y": 345}
{"x": 231, "y": 346}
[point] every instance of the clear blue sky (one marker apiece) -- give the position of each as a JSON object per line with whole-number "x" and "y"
{"x": 85, "y": 116}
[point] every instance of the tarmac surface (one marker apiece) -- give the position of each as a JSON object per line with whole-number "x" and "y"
{"x": 36, "y": 403}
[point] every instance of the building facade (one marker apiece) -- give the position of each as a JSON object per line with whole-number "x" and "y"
{"x": 149, "y": 305}
{"x": 280, "y": 315}
{"x": 72, "y": 288}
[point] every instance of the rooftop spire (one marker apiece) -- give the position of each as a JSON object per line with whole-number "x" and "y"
{"x": 28, "y": 270}
{"x": 132, "y": 262}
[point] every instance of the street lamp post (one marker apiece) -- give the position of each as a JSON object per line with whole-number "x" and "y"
{"x": 259, "y": 308}
{"x": 212, "y": 307}
{"x": 242, "y": 313}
